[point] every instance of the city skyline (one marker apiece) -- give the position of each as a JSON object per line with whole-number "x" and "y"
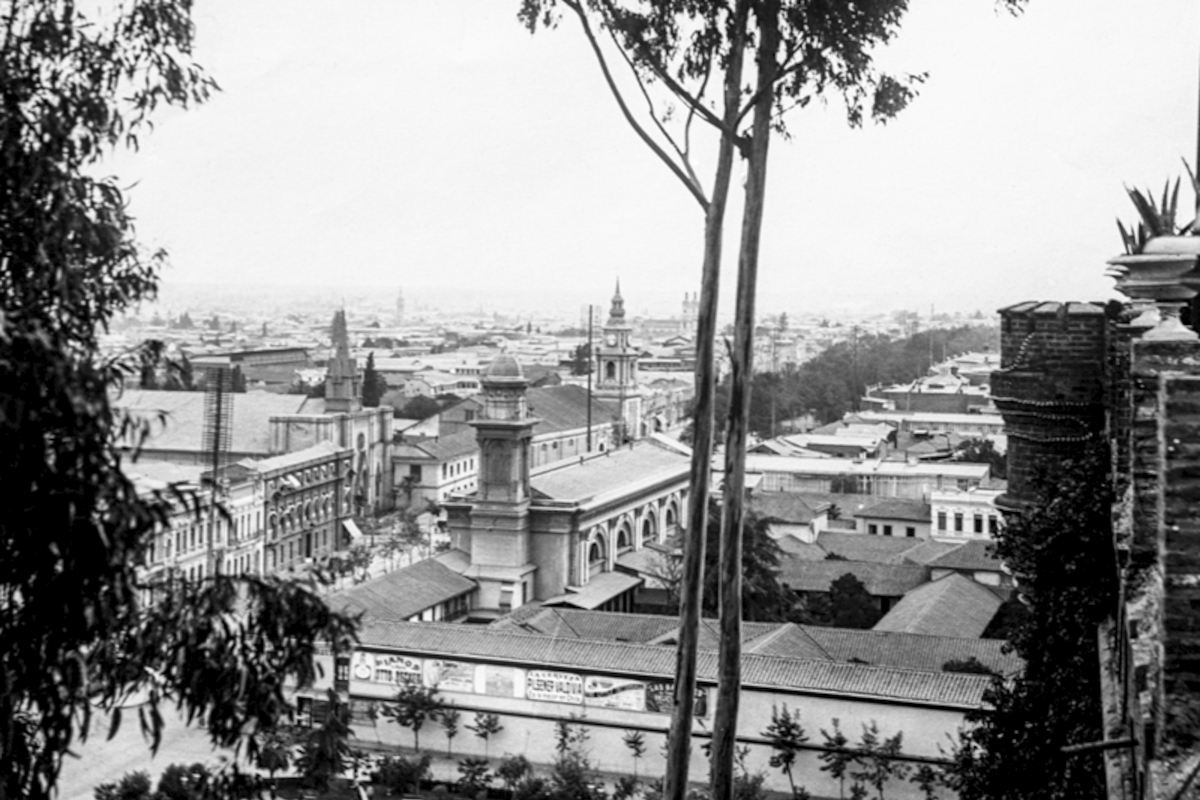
{"x": 426, "y": 146}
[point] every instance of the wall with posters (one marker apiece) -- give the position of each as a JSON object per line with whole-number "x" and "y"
{"x": 530, "y": 700}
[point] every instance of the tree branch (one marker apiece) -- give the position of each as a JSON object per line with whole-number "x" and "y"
{"x": 683, "y": 158}
{"x": 676, "y": 88}
{"x": 696, "y": 191}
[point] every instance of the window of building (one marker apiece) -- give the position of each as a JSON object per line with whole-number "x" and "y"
{"x": 910, "y": 532}
{"x": 993, "y": 524}
{"x": 941, "y": 520}
{"x": 887, "y": 530}
{"x": 958, "y": 522}
{"x": 872, "y": 529}
{"x": 978, "y": 523}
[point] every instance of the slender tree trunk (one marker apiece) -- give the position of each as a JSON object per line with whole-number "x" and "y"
{"x": 679, "y": 740}
{"x": 730, "y": 575}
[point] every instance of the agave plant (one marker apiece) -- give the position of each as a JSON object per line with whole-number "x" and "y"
{"x": 1158, "y": 219}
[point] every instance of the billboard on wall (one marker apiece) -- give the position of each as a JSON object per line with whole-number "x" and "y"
{"x": 660, "y": 695}
{"x": 385, "y": 668}
{"x": 450, "y": 676}
{"x": 499, "y": 681}
{"x": 605, "y": 692}
{"x": 557, "y": 687}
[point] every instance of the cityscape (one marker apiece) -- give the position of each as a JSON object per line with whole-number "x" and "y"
{"x": 440, "y": 455}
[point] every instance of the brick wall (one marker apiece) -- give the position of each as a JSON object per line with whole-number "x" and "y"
{"x": 1050, "y": 387}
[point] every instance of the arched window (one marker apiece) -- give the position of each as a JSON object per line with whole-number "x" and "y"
{"x": 610, "y": 370}
{"x": 623, "y": 540}
{"x": 648, "y": 528}
{"x": 672, "y": 526}
{"x": 597, "y": 561}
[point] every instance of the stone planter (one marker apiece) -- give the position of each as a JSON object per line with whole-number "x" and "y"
{"x": 1156, "y": 276}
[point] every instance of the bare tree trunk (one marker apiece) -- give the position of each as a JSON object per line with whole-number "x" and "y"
{"x": 730, "y": 576}
{"x": 679, "y": 740}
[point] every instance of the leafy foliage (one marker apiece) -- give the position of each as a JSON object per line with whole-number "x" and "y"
{"x": 830, "y": 384}
{"x": 75, "y": 635}
{"x": 326, "y": 749}
{"x": 373, "y": 384}
{"x": 848, "y": 605}
{"x": 449, "y": 719}
{"x": 475, "y": 776}
{"x": 403, "y": 774}
{"x": 512, "y": 770}
{"x": 413, "y": 706}
{"x": 877, "y": 757}
{"x": 485, "y": 727}
{"x": 1060, "y": 553}
{"x": 131, "y": 786}
{"x": 786, "y": 736}
{"x": 983, "y": 451}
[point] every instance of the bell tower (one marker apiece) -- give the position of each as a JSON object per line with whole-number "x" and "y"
{"x": 616, "y": 367}
{"x": 499, "y": 539}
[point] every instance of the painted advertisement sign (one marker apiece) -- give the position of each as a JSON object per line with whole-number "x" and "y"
{"x": 606, "y": 692}
{"x": 381, "y": 668}
{"x": 660, "y": 694}
{"x": 557, "y": 687}
{"x": 499, "y": 681}
{"x": 450, "y": 676}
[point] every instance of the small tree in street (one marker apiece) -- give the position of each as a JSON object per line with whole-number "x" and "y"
{"x": 636, "y": 742}
{"x": 132, "y": 786}
{"x": 475, "y": 776}
{"x": 486, "y": 726}
{"x": 275, "y": 754}
{"x": 837, "y": 758}
{"x": 879, "y": 759}
{"x": 414, "y": 705}
{"x": 786, "y": 735}
{"x": 512, "y": 771}
{"x": 326, "y": 749}
{"x": 449, "y": 719}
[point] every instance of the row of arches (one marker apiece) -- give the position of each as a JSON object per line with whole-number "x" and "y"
{"x": 304, "y": 513}
{"x": 657, "y": 521}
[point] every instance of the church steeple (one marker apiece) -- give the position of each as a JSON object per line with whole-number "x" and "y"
{"x": 616, "y": 314}
{"x": 343, "y": 390}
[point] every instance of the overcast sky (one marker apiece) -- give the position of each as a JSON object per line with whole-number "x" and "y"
{"x": 437, "y": 145}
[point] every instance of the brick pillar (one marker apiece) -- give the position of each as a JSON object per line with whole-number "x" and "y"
{"x": 1050, "y": 387}
{"x": 1164, "y": 585}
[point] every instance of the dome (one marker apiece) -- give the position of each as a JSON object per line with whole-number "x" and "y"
{"x": 503, "y": 366}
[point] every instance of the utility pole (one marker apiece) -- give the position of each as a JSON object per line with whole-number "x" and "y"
{"x": 591, "y": 316}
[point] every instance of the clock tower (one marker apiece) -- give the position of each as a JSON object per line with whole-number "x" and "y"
{"x": 616, "y": 368}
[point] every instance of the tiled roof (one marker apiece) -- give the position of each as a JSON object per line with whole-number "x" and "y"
{"x": 880, "y": 580}
{"x": 866, "y": 547}
{"x": 598, "y": 590}
{"x": 564, "y": 408}
{"x": 598, "y": 625}
{"x": 250, "y": 427}
{"x": 974, "y": 555}
{"x": 928, "y": 550}
{"x": 943, "y": 689}
{"x": 785, "y": 507}
{"x": 897, "y": 508}
{"x": 619, "y": 471}
{"x": 910, "y": 650}
{"x": 403, "y": 593}
{"x": 447, "y": 448}
{"x": 951, "y": 606}
{"x": 788, "y": 640}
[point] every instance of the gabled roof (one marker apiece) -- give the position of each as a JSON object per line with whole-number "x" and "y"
{"x": 928, "y": 550}
{"x": 880, "y": 580}
{"x": 439, "y": 448}
{"x": 867, "y": 547}
{"x": 910, "y": 650}
{"x": 565, "y": 408}
{"x": 401, "y": 594}
{"x": 786, "y": 507}
{"x": 789, "y": 640}
{"x": 897, "y": 508}
{"x": 970, "y": 556}
{"x": 951, "y": 606}
{"x": 813, "y": 676}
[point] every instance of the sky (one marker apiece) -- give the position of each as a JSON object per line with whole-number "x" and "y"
{"x": 440, "y": 148}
